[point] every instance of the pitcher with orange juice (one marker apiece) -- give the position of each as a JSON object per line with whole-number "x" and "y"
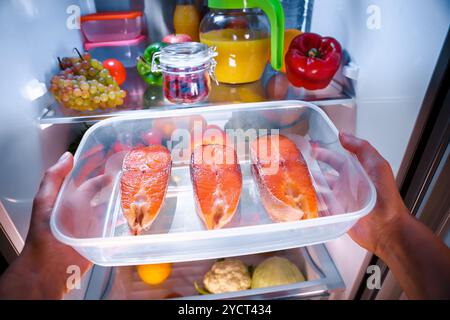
{"x": 243, "y": 31}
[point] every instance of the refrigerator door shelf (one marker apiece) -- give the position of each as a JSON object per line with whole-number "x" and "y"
{"x": 272, "y": 86}
{"x": 95, "y": 226}
{"x": 321, "y": 279}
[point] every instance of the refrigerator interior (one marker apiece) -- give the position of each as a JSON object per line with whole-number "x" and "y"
{"x": 393, "y": 46}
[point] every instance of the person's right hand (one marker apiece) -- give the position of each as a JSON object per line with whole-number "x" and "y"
{"x": 373, "y": 232}
{"x": 418, "y": 259}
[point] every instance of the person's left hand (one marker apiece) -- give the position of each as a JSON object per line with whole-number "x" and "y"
{"x": 41, "y": 271}
{"x": 40, "y": 240}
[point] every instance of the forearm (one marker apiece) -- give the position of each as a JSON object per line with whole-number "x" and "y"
{"x": 419, "y": 260}
{"x": 28, "y": 278}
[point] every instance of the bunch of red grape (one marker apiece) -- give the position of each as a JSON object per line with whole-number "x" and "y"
{"x": 84, "y": 84}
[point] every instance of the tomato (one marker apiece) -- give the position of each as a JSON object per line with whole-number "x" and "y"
{"x": 116, "y": 69}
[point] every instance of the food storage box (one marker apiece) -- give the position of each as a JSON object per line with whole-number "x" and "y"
{"x": 89, "y": 217}
{"x": 126, "y": 51}
{"x": 112, "y": 26}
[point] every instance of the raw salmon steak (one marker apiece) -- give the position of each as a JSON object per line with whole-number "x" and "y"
{"x": 283, "y": 179}
{"x": 144, "y": 182}
{"x": 217, "y": 182}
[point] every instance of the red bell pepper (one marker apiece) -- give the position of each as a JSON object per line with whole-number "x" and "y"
{"x": 312, "y": 61}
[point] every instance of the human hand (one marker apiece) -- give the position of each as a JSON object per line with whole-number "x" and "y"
{"x": 374, "y": 231}
{"x": 40, "y": 271}
{"x": 417, "y": 257}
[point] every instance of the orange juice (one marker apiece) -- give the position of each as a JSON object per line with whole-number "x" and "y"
{"x": 242, "y": 53}
{"x": 186, "y": 20}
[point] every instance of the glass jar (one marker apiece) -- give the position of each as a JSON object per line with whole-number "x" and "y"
{"x": 242, "y": 38}
{"x": 186, "y": 68}
{"x": 186, "y": 19}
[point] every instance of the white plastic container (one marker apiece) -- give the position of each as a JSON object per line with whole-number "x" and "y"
{"x": 112, "y": 26}
{"x": 126, "y": 51}
{"x": 88, "y": 215}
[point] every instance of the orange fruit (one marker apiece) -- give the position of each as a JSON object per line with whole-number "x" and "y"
{"x": 289, "y": 35}
{"x": 154, "y": 274}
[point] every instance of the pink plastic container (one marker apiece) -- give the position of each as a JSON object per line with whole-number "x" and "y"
{"x": 112, "y": 26}
{"x": 126, "y": 51}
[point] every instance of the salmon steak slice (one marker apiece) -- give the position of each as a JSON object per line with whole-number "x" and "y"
{"x": 283, "y": 179}
{"x": 217, "y": 184}
{"x": 144, "y": 182}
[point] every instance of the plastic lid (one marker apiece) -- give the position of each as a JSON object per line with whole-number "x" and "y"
{"x": 123, "y": 43}
{"x": 112, "y": 15}
{"x": 186, "y": 54}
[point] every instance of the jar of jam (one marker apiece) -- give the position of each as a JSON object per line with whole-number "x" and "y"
{"x": 187, "y": 70}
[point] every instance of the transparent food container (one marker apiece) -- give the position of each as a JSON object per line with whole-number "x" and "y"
{"x": 126, "y": 51}
{"x": 88, "y": 214}
{"x": 112, "y": 26}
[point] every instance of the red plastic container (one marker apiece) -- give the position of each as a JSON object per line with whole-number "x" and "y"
{"x": 112, "y": 26}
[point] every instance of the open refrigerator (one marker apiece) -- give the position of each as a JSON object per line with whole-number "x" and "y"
{"x": 389, "y": 91}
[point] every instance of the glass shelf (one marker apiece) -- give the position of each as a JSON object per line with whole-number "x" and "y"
{"x": 321, "y": 279}
{"x": 272, "y": 86}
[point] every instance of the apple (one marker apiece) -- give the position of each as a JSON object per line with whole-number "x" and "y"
{"x": 177, "y": 38}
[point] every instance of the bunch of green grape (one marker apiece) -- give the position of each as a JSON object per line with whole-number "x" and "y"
{"x": 84, "y": 84}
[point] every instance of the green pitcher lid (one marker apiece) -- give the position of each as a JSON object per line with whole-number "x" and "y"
{"x": 273, "y": 10}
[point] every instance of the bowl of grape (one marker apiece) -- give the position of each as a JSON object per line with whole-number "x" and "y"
{"x": 84, "y": 84}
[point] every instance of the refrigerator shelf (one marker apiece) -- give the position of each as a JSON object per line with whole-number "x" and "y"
{"x": 321, "y": 278}
{"x": 141, "y": 97}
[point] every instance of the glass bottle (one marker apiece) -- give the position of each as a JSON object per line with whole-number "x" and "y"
{"x": 186, "y": 19}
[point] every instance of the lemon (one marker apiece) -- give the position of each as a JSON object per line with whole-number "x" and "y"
{"x": 154, "y": 273}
